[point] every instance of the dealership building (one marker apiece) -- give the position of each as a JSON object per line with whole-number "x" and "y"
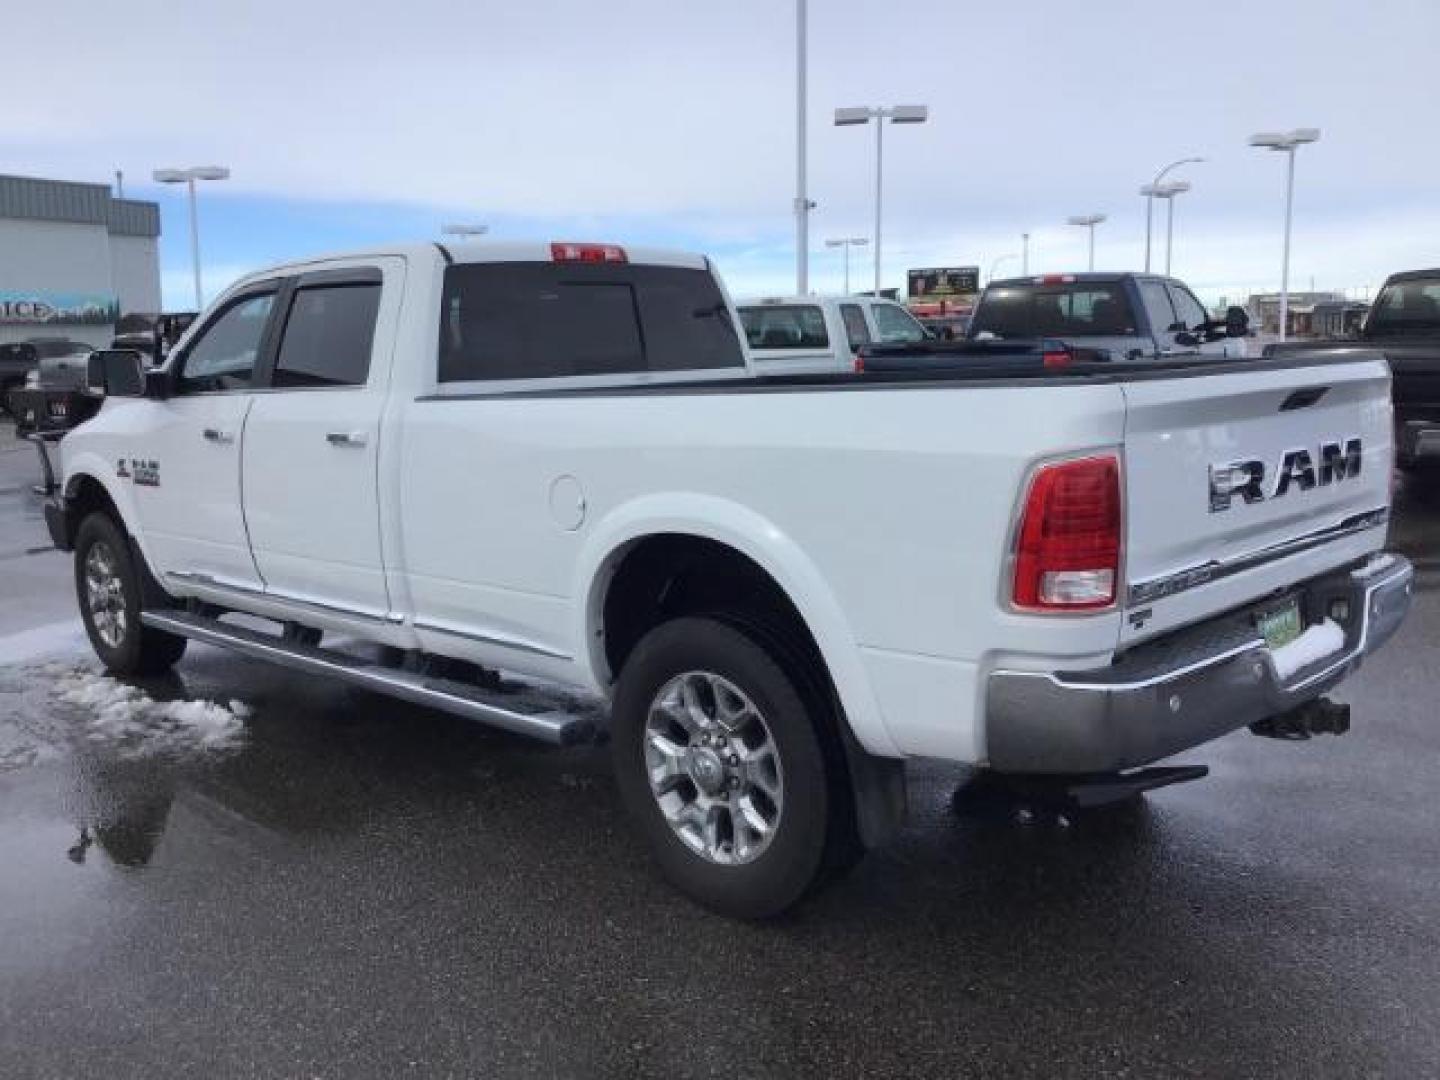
{"x": 73, "y": 259}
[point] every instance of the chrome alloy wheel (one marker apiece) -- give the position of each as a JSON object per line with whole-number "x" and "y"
{"x": 105, "y": 594}
{"x": 713, "y": 768}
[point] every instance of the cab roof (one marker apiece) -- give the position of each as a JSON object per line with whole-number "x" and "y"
{"x": 486, "y": 251}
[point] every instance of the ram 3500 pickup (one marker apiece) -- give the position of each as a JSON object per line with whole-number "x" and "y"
{"x": 426, "y": 464}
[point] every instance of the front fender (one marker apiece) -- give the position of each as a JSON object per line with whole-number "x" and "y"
{"x": 83, "y": 464}
{"x": 764, "y": 543}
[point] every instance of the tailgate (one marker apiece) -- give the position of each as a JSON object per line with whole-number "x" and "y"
{"x": 1243, "y": 482}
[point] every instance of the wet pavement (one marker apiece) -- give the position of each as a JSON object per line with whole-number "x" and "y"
{"x": 336, "y": 885}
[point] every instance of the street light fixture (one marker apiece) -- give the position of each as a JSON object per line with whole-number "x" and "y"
{"x": 1150, "y": 199}
{"x": 847, "y": 243}
{"x": 1287, "y": 142}
{"x": 188, "y": 177}
{"x": 464, "y": 231}
{"x": 1168, "y": 192}
{"x": 896, "y": 114}
{"x": 1089, "y": 221}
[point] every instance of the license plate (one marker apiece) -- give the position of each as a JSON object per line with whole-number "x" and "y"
{"x": 1280, "y": 626}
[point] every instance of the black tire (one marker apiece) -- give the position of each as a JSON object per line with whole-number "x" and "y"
{"x": 795, "y": 858}
{"x": 124, "y": 646}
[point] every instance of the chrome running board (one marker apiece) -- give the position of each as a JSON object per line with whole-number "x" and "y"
{"x": 458, "y": 698}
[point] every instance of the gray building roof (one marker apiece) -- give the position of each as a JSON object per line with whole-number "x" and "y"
{"x": 31, "y": 199}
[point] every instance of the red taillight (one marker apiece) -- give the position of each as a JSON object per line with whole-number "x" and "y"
{"x": 1057, "y": 359}
{"x": 1055, "y": 279}
{"x": 588, "y": 253}
{"x": 1067, "y": 557}
{"x": 859, "y": 363}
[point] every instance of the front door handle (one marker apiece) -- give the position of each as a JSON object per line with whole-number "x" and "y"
{"x": 346, "y": 438}
{"x": 215, "y": 435}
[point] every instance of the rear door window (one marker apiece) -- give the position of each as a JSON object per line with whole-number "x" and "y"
{"x": 1081, "y": 309}
{"x": 857, "y": 332}
{"x": 785, "y": 326}
{"x": 543, "y": 320}
{"x": 1158, "y": 309}
{"x": 328, "y": 336}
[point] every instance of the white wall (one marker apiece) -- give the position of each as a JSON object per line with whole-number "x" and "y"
{"x": 135, "y": 270}
{"x": 60, "y": 257}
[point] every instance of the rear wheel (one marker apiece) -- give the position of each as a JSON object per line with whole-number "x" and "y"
{"x": 108, "y": 586}
{"x": 719, "y": 761}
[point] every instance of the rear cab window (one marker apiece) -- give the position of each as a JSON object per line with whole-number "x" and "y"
{"x": 1065, "y": 309}
{"x": 785, "y": 326}
{"x": 1409, "y": 305}
{"x": 534, "y": 320}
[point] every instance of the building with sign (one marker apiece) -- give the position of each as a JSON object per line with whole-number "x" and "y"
{"x": 73, "y": 258}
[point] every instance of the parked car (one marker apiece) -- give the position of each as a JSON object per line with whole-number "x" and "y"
{"x": 1134, "y": 317}
{"x": 62, "y": 363}
{"x": 1404, "y": 324}
{"x": 17, "y": 361}
{"x": 804, "y": 335}
{"x": 557, "y": 460}
{"x": 152, "y": 335}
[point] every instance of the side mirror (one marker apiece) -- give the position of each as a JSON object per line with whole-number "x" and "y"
{"x": 1237, "y": 322}
{"x": 116, "y": 373}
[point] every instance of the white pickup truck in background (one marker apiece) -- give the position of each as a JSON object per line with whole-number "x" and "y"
{"x": 428, "y": 464}
{"x": 813, "y": 334}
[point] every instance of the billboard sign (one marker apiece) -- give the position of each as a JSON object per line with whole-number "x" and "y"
{"x": 22, "y": 308}
{"x": 940, "y": 282}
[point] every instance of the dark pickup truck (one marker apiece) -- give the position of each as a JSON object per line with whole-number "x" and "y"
{"x": 1404, "y": 324}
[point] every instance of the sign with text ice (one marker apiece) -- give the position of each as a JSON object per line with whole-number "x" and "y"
{"x": 57, "y": 309}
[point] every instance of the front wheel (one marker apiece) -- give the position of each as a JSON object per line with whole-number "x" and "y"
{"x": 108, "y": 587}
{"x": 719, "y": 762}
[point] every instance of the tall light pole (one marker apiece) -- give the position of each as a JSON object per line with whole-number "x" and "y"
{"x": 464, "y": 231}
{"x": 1286, "y": 142}
{"x": 1168, "y": 192}
{"x": 996, "y": 264}
{"x": 1089, "y": 221}
{"x": 1150, "y": 199}
{"x": 803, "y": 205}
{"x": 847, "y": 243}
{"x": 1025, "y": 253}
{"x": 896, "y": 114}
{"x": 189, "y": 176}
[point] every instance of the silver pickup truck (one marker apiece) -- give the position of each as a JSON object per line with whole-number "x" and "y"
{"x": 1132, "y": 317}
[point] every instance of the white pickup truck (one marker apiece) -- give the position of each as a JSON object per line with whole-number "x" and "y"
{"x": 426, "y": 464}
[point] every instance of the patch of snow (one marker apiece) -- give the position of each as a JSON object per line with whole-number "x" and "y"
{"x": 1316, "y": 643}
{"x": 121, "y": 713}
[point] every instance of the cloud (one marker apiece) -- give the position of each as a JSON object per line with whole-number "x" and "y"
{"x": 677, "y": 118}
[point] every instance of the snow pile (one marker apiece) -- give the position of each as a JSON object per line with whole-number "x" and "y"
{"x": 1316, "y": 643}
{"x": 126, "y": 714}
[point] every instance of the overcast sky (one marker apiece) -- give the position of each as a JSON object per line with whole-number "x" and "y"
{"x": 347, "y": 123}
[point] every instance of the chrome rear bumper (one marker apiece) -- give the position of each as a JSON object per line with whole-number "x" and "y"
{"x": 1189, "y": 688}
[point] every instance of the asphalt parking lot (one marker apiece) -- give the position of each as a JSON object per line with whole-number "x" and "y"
{"x": 335, "y": 885}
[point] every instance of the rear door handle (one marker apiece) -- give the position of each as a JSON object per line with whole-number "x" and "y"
{"x": 346, "y": 438}
{"x": 215, "y": 435}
